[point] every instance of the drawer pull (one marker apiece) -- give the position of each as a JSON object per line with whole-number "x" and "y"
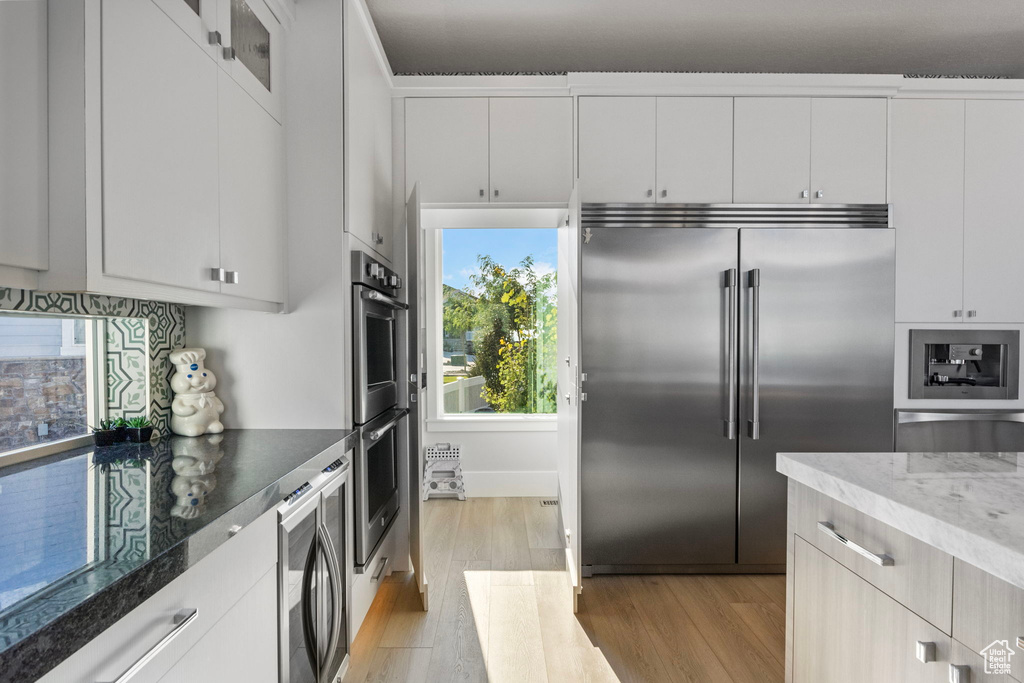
{"x": 959, "y": 673}
{"x": 383, "y": 565}
{"x": 830, "y": 531}
{"x": 925, "y": 652}
{"x": 182, "y": 621}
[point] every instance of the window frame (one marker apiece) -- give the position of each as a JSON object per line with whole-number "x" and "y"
{"x": 437, "y": 420}
{"x": 95, "y": 389}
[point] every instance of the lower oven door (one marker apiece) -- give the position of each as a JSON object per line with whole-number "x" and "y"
{"x": 375, "y": 474}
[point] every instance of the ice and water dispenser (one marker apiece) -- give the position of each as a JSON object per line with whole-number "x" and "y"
{"x": 964, "y": 364}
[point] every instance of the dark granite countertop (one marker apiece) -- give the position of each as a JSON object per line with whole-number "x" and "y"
{"x": 89, "y": 534}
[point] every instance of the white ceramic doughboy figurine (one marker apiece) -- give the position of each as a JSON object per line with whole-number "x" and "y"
{"x": 195, "y": 409}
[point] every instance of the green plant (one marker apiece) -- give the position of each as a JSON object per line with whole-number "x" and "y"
{"x": 140, "y": 422}
{"x": 107, "y": 425}
{"x": 119, "y": 422}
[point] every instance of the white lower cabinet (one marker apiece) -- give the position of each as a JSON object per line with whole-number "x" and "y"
{"x": 242, "y": 646}
{"x": 847, "y": 631}
{"x": 235, "y": 584}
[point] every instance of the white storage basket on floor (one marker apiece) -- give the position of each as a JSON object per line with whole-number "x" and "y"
{"x": 442, "y": 471}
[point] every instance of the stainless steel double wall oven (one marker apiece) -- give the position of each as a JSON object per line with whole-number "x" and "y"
{"x": 381, "y": 423}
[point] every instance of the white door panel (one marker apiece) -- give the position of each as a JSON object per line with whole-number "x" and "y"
{"x": 617, "y": 149}
{"x": 446, "y": 148}
{"x": 695, "y": 150}
{"x": 848, "y": 150}
{"x": 530, "y": 149}
{"x": 772, "y": 138}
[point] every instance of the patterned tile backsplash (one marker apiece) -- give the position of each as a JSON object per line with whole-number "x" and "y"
{"x": 135, "y": 331}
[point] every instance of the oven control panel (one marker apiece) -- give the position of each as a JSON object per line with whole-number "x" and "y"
{"x": 368, "y": 271}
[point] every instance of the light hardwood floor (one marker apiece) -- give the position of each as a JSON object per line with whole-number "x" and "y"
{"x": 502, "y": 611}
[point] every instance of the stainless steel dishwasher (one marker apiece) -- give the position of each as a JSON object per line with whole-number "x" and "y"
{"x": 957, "y": 431}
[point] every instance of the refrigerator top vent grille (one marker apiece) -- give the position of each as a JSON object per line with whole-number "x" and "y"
{"x": 737, "y": 216}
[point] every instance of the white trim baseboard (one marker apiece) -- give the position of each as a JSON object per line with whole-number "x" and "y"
{"x": 523, "y": 484}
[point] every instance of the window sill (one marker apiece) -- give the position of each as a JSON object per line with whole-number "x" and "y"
{"x": 505, "y": 423}
{"x": 34, "y": 452}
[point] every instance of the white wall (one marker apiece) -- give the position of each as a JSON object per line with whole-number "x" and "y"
{"x": 509, "y": 463}
{"x": 288, "y": 371}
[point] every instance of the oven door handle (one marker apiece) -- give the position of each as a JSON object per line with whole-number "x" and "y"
{"x": 377, "y": 433}
{"x": 374, "y": 295}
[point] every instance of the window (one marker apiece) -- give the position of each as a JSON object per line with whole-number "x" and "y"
{"x": 45, "y": 383}
{"x": 498, "y": 321}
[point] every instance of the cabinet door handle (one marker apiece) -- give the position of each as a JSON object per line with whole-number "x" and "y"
{"x": 881, "y": 560}
{"x": 229, "y": 54}
{"x": 959, "y": 673}
{"x": 805, "y": 194}
{"x": 381, "y": 567}
{"x": 230, "y": 277}
{"x": 214, "y": 37}
{"x": 819, "y": 194}
{"x": 664, "y": 193}
{"x": 958, "y": 313}
{"x": 182, "y": 620}
{"x": 925, "y": 652}
{"x": 482, "y": 193}
{"x": 650, "y": 193}
{"x": 972, "y": 314}
{"x": 495, "y": 193}
{"x": 218, "y": 274}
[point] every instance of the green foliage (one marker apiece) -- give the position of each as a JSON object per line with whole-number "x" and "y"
{"x": 140, "y": 422}
{"x": 108, "y": 425}
{"x": 514, "y": 315}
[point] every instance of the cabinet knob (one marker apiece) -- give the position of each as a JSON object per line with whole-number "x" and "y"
{"x": 229, "y": 54}
{"x": 925, "y": 652}
{"x": 805, "y": 194}
{"x": 959, "y": 673}
{"x": 664, "y": 193}
{"x": 482, "y": 193}
{"x": 650, "y": 193}
{"x": 819, "y": 194}
{"x": 495, "y": 193}
{"x": 214, "y": 37}
{"x": 218, "y": 274}
{"x": 231, "y": 277}
{"x": 972, "y": 314}
{"x": 958, "y": 314}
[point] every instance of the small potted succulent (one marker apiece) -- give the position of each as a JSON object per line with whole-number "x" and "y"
{"x": 121, "y": 427}
{"x": 107, "y": 433}
{"x": 140, "y": 429}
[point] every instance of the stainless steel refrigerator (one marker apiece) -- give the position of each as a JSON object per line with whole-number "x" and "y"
{"x": 709, "y": 349}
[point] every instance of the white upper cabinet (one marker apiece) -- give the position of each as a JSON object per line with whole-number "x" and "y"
{"x": 368, "y": 145}
{"x": 23, "y": 135}
{"x": 198, "y": 19}
{"x": 477, "y": 149}
{"x": 252, "y": 207}
{"x": 796, "y": 150}
{"x": 772, "y": 150}
{"x": 251, "y": 49}
{"x": 993, "y": 242}
{"x": 694, "y": 150}
{"x": 849, "y": 139}
{"x": 926, "y": 185}
{"x": 446, "y": 148}
{"x": 160, "y": 185}
{"x": 617, "y": 149}
{"x": 530, "y": 149}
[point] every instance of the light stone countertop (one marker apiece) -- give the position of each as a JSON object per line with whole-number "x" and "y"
{"x": 970, "y": 505}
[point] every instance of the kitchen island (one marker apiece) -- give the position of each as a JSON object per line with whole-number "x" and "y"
{"x": 90, "y": 535}
{"x": 905, "y": 567}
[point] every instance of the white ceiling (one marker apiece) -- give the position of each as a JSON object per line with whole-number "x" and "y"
{"x": 947, "y": 37}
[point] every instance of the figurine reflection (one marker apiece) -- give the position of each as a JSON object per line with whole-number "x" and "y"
{"x": 194, "y": 480}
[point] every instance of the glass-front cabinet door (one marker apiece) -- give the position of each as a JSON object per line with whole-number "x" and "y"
{"x": 197, "y": 18}
{"x": 252, "y": 40}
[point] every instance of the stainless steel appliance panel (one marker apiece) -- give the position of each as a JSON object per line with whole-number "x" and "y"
{"x": 299, "y": 576}
{"x": 820, "y": 377}
{"x": 375, "y": 473}
{"x": 658, "y": 467}
{"x": 375, "y": 362}
{"x": 959, "y": 431}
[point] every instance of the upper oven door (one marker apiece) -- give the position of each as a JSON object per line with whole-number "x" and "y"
{"x": 375, "y": 366}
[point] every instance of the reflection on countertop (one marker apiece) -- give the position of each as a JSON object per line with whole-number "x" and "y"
{"x": 970, "y": 505}
{"x": 76, "y": 524}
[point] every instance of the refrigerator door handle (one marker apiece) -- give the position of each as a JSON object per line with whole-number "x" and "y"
{"x": 334, "y": 577}
{"x": 730, "y": 291}
{"x": 754, "y": 424}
